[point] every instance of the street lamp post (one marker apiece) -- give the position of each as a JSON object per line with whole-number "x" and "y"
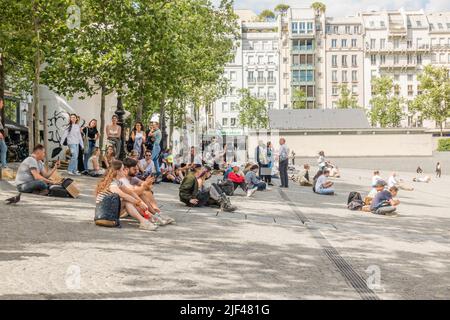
{"x": 120, "y": 114}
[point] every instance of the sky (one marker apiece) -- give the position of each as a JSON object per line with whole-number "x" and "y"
{"x": 342, "y": 8}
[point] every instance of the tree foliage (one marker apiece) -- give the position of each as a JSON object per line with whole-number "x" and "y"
{"x": 346, "y": 99}
{"x": 319, "y": 7}
{"x": 281, "y": 8}
{"x": 386, "y": 106}
{"x": 266, "y": 15}
{"x": 299, "y": 99}
{"x": 252, "y": 111}
{"x": 434, "y": 101}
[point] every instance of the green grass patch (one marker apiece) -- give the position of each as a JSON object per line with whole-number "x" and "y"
{"x": 444, "y": 144}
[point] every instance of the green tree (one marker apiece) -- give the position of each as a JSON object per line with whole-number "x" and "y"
{"x": 266, "y": 15}
{"x": 386, "y": 105}
{"x": 281, "y": 8}
{"x": 434, "y": 101}
{"x": 299, "y": 99}
{"x": 319, "y": 7}
{"x": 252, "y": 111}
{"x": 346, "y": 99}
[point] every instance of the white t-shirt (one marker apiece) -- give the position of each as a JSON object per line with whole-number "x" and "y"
{"x": 392, "y": 181}
{"x": 148, "y": 167}
{"x": 375, "y": 179}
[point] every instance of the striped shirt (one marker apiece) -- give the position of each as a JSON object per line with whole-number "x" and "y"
{"x": 108, "y": 191}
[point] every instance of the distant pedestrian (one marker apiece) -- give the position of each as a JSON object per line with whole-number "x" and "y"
{"x": 419, "y": 170}
{"x": 438, "y": 170}
{"x": 73, "y": 139}
{"x": 283, "y": 163}
{"x": 293, "y": 157}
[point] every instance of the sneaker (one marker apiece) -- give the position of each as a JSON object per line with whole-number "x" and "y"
{"x": 70, "y": 173}
{"x": 77, "y": 173}
{"x": 227, "y": 207}
{"x": 148, "y": 226}
{"x": 159, "y": 220}
{"x": 251, "y": 191}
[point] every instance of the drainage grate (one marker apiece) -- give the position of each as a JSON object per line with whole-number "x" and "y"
{"x": 345, "y": 269}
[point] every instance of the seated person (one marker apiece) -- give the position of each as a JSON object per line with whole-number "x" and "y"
{"x": 108, "y": 158}
{"x": 93, "y": 168}
{"x": 303, "y": 178}
{"x": 376, "y": 176}
{"x": 146, "y": 165}
{"x": 228, "y": 169}
{"x": 168, "y": 171}
{"x": 32, "y": 176}
{"x": 144, "y": 190}
{"x": 253, "y": 183}
{"x": 180, "y": 171}
{"x": 130, "y": 202}
{"x": 425, "y": 179}
{"x": 419, "y": 170}
{"x": 193, "y": 196}
{"x": 134, "y": 154}
{"x": 395, "y": 181}
{"x": 237, "y": 177}
{"x": 334, "y": 171}
{"x": 323, "y": 185}
{"x": 384, "y": 203}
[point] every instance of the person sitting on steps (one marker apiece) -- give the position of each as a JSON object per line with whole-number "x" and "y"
{"x": 323, "y": 185}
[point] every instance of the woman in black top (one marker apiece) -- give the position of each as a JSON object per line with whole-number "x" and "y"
{"x": 91, "y": 136}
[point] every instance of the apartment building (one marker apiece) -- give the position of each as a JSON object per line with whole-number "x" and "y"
{"x": 439, "y": 34}
{"x": 344, "y": 59}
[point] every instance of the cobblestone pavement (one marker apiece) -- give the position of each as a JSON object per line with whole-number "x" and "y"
{"x": 289, "y": 244}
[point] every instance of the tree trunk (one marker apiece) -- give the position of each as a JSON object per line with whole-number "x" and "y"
{"x": 45, "y": 117}
{"x": 30, "y": 124}
{"x": 102, "y": 120}
{"x": 441, "y": 126}
{"x": 2, "y": 89}
{"x": 162, "y": 122}
{"x": 37, "y": 66}
{"x": 140, "y": 106}
{"x": 171, "y": 126}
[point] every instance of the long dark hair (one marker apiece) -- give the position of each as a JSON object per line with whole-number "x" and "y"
{"x": 142, "y": 126}
{"x": 69, "y": 126}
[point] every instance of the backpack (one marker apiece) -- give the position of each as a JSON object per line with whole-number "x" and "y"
{"x": 355, "y": 204}
{"x": 227, "y": 187}
{"x": 353, "y": 196}
{"x": 57, "y": 191}
{"x": 107, "y": 212}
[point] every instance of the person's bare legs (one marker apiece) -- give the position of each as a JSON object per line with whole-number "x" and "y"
{"x": 132, "y": 211}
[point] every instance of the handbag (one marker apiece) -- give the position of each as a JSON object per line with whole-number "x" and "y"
{"x": 266, "y": 171}
{"x": 107, "y": 212}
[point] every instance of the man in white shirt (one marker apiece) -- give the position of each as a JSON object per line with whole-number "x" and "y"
{"x": 146, "y": 165}
{"x": 283, "y": 163}
{"x": 394, "y": 181}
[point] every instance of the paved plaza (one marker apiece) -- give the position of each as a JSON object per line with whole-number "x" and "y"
{"x": 289, "y": 244}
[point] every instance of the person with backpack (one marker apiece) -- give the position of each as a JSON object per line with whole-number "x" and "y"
{"x": 384, "y": 203}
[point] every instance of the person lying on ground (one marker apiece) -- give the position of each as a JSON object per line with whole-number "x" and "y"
{"x": 384, "y": 203}
{"x": 143, "y": 189}
{"x": 237, "y": 177}
{"x": 323, "y": 185}
{"x": 32, "y": 176}
{"x": 146, "y": 166}
{"x": 193, "y": 196}
{"x": 93, "y": 164}
{"x": 303, "y": 177}
{"x": 395, "y": 181}
{"x": 111, "y": 184}
{"x": 253, "y": 183}
{"x": 425, "y": 179}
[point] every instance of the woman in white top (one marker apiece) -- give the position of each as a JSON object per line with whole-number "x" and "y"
{"x": 138, "y": 137}
{"x": 73, "y": 139}
{"x": 113, "y": 134}
{"x": 93, "y": 167}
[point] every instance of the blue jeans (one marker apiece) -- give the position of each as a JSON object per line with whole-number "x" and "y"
{"x": 89, "y": 153}
{"x": 155, "y": 157}
{"x": 261, "y": 186}
{"x": 326, "y": 191}
{"x": 3, "y": 151}
{"x": 29, "y": 187}
{"x": 73, "y": 164}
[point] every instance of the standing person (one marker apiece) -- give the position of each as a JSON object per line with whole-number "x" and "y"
{"x": 216, "y": 153}
{"x": 148, "y": 137}
{"x": 73, "y": 139}
{"x": 3, "y": 147}
{"x": 91, "y": 136}
{"x": 283, "y": 163}
{"x": 80, "y": 164}
{"x": 293, "y": 157}
{"x": 270, "y": 155}
{"x": 261, "y": 156}
{"x": 156, "y": 136}
{"x": 138, "y": 138}
{"x": 113, "y": 134}
{"x": 438, "y": 170}
{"x": 321, "y": 161}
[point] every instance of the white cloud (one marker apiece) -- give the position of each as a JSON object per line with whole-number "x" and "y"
{"x": 350, "y": 7}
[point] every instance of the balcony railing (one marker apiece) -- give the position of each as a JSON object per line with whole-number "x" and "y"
{"x": 261, "y": 80}
{"x": 271, "y": 96}
{"x": 302, "y": 48}
{"x": 251, "y": 80}
{"x": 423, "y": 47}
{"x": 271, "y": 80}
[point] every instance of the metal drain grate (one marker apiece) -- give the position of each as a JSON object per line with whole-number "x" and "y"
{"x": 345, "y": 269}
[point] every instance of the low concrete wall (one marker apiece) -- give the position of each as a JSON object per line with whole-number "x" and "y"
{"x": 351, "y": 144}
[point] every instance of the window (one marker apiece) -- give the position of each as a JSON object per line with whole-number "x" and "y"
{"x": 433, "y": 57}
{"x": 354, "y": 75}
{"x": 410, "y": 77}
{"x": 270, "y": 75}
{"x": 372, "y": 24}
{"x": 309, "y": 27}
{"x": 301, "y": 27}
{"x": 354, "y": 60}
{"x": 347, "y": 29}
{"x": 356, "y": 29}
{"x": 396, "y": 43}
{"x": 354, "y": 89}
{"x": 285, "y": 60}
{"x": 250, "y": 75}
{"x": 440, "y": 26}
{"x": 233, "y": 75}
{"x": 328, "y": 29}
{"x": 419, "y": 59}
{"x": 344, "y": 43}
{"x": 270, "y": 105}
{"x": 409, "y": 43}
{"x": 372, "y": 43}
{"x": 396, "y": 77}
{"x": 382, "y": 24}
{"x": 294, "y": 27}
{"x": 396, "y": 59}
{"x": 233, "y": 106}
{"x": 260, "y": 75}
{"x": 334, "y": 90}
{"x": 410, "y": 90}
{"x": 270, "y": 60}
{"x": 344, "y": 76}
{"x": 442, "y": 58}
{"x": 336, "y": 29}
{"x": 419, "y": 23}
{"x": 232, "y": 91}
{"x": 224, "y": 122}
{"x": 260, "y": 59}
{"x": 333, "y": 43}
{"x": 233, "y": 122}
{"x": 295, "y": 59}
{"x": 344, "y": 60}
{"x": 382, "y": 59}
{"x": 353, "y": 43}
{"x": 334, "y": 76}
{"x": 225, "y": 107}
{"x": 382, "y": 43}
{"x": 409, "y": 59}
{"x": 334, "y": 60}
{"x": 373, "y": 59}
